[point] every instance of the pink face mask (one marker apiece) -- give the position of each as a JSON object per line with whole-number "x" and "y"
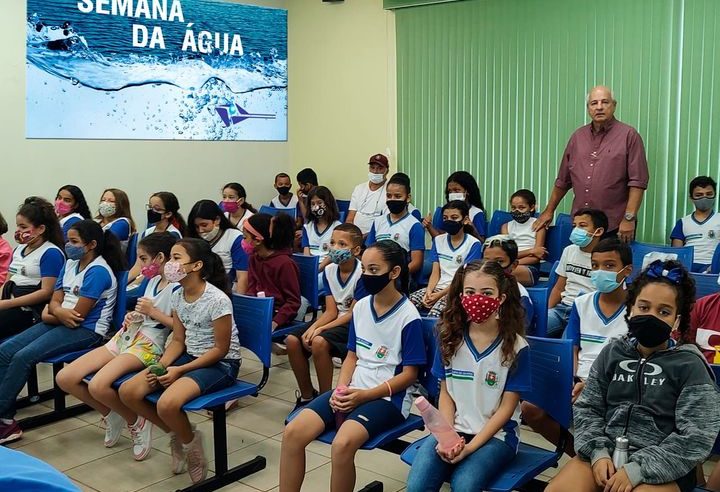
{"x": 150, "y": 271}
{"x": 174, "y": 271}
{"x": 62, "y": 208}
{"x": 248, "y": 247}
{"x": 230, "y": 207}
{"x": 24, "y": 237}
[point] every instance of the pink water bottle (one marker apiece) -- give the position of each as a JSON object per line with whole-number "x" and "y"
{"x": 446, "y": 436}
{"x": 340, "y": 416}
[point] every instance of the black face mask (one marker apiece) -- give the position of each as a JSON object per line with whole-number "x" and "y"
{"x": 396, "y": 206}
{"x": 520, "y": 217}
{"x": 283, "y": 190}
{"x": 153, "y": 217}
{"x": 452, "y": 227}
{"x": 375, "y": 283}
{"x": 649, "y": 330}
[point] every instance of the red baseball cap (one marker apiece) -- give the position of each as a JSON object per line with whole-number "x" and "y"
{"x": 380, "y": 160}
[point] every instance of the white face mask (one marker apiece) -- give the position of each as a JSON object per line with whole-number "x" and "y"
{"x": 456, "y": 196}
{"x": 209, "y": 236}
{"x": 376, "y": 178}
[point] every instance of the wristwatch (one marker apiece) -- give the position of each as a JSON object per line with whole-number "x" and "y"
{"x": 629, "y": 216}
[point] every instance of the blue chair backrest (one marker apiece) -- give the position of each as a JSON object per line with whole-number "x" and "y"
{"x": 705, "y": 284}
{"x": 343, "y": 205}
{"x": 552, "y": 279}
{"x": 120, "y": 300}
{"x": 558, "y": 238}
{"x": 309, "y": 267}
{"x": 551, "y": 362}
{"x": 715, "y": 264}
{"x": 684, "y": 254}
{"x": 564, "y": 219}
{"x": 424, "y": 277}
{"x": 539, "y": 297}
{"x": 253, "y": 318}
{"x": 499, "y": 217}
{"x": 131, "y": 251}
{"x": 342, "y": 216}
{"x": 292, "y": 212}
{"x": 437, "y": 219}
{"x": 430, "y": 335}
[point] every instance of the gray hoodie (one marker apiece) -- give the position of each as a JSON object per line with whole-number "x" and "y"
{"x": 667, "y": 405}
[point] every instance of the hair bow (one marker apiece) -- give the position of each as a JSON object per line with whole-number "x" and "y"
{"x": 657, "y": 269}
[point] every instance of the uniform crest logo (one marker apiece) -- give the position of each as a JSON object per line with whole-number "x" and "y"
{"x": 76, "y": 290}
{"x": 347, "y": 303}
{"x": 491, "y": 378}
{"x": 381, "y": 352}
{"x": 325, "y": 247}
{"x": 459, "y": 259}
{"x": 396, "y": 236}
{"x": 711, "y": 234}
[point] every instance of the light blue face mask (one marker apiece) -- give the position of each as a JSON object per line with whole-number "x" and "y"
{"x": 581, "y": 237}
{"x": 604, "y": 280}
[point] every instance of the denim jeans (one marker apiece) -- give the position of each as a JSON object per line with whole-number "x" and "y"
{"x": 429, "y": 471}
{"x": 558, "y": 318}
{"x": 20, "y": 354}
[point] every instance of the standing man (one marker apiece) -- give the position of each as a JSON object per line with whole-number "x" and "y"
{"x": 368, "y": 198}
{"x": 604, "y": 164}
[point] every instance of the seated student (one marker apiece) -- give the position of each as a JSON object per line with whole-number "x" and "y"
{"x": 385, "y": 349}
{"x": 70, "y": 207}
{"x": 285, "y": 198}
{"x": 450, "y": 251}
{"x": 327, "y": 337}
{"x": 705, "y": 326}
{"x": 574, "y": 268}
{"x": 398, "y": 225}
{"x": 78, "y": 316}
{"x": 660, "y": 395}
{"x": 163, "y": 215}
{"x": 461, "y": 185}
{"x": 203, "y": 356}
{"x": 307, "y": 180}
{"x": 234, "y": 204}
{"x": 368, "y": 198}
{"x": 34, "y": 268}
{"x": 322, "y": 219}
{"x": 505, "y": 252}
{"x": 595, "y": 320}
{"x": 6, "y": 252}
{"x": 531, "y": 245}
{"x": 700, "y": 229}
{"x": 484, "y": 316}
{"x": 206, "y": 221}
{"x": 139, "y": 343}
{"x": 114, "y": 214}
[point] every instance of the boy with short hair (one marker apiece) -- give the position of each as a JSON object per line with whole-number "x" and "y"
{"x": 307, "y": 180}
{"x": 700, "y": 229}
{"x": 574, "y": 268}
{"x": 327, "y": 337}
{"x": 285, "y": 198}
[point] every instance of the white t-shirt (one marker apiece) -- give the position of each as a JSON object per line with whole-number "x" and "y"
{"x": 318, "y": 242}
{"x": 368, "y": 204}
{"x": 162, "y": 300}
{"x": 198, "y": 317}
{"x": 476, "y": 382}
{"x": 575, "y": 265}
{"x": 276, "y": 203}
{"x": 242, "y": 220}
{"x": 229, "y": 248}
{"x": 450, "y": 258}
{"x": 703, "y": 236}
{"x": 384, "y": 345}
{"x": 523, "y": 234}
{"x": 171, "y": 229}
{"x": 28, "y": 270}
{"x": 344, "y": 293}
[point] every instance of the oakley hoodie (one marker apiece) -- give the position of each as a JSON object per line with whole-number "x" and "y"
{"x": 667, "y": 405}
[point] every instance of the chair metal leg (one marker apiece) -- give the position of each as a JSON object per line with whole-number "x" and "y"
{"x": 32, "y": 385}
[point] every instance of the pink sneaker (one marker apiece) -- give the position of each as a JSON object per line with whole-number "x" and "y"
{"x": 197, "y": 464}
{"x": 141, "y": 433}
{"x": 179, "y": 457}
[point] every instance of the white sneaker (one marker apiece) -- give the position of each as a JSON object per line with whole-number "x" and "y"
{"x": 114, "y": 425}
{"x": 279, "y": 348}
{"x": 141, "y": 433}
{"x": 179, "y": 459}
{"x": 197, "y": 464}
{"x": 337, "y": 362}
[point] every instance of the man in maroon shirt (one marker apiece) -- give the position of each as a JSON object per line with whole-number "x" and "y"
{"x": 604, "y": 163}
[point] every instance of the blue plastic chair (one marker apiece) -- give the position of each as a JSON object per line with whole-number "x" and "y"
{"x": 705, "y": 284}
{"x": 424, "y": 277}
{"x": 715, "y": 264}
{"x": 552, "y": 381}
{"x": 343, "y": 216}
{"x": 539, "y": 297}
{"x": 556, "y": 240}
{"x": 684, "y": 254}
{"x": 309, "y": 267}
{"x": 499, "y": 217}
{"x": 131, "y": 252}
{"x": 343, "y": 205}
{"x": 292, "y": 212}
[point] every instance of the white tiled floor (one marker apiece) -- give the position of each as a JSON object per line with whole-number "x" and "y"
{"x": 74, "y": 446}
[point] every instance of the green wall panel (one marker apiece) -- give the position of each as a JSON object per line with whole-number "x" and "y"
{"x": 496, "y": 87}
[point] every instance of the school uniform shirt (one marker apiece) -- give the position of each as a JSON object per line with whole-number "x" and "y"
{"x": 120, "y": 227}
{"x": 477, "y": 217}
{"x": 384, "y": 345}
{"x": 162, "y": 301}
{"x": 346, "y": 292}
{"x": 476, "y": 382}
{"x": 523, "y": 234}
{"x": 171, "y": 229}
{"x": 97, "y": 282}
{"x": 368, "y": 205}
{"x": 229, "y": 248}
{"x": 28, "y": 270}
{"x": 590, "y": 330}
{"x": 293, "y": 204}
{"x": 318, "y": 242}
{"x": 197, "y": 317}
{"x": 407, "y": 232}
{"x": 242, "y": 220}
{"x": 450, "y": 258}
{"x": 704, "y": 236}
{"x": 67, "y": 222}
{"x": 575, "y": 266}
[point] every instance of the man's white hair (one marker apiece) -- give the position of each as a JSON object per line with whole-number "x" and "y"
{"x": 612, "y": 94}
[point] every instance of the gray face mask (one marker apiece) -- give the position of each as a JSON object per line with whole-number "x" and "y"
{"x": 704, "y": 204}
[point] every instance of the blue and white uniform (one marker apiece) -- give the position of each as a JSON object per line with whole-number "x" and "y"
{"x": 477, "y": 217}
{"x": 590, "y": 330}
{"x": 407, "y": 232}
{"x": 344, "y": 293}
{"x": 476, "y": 382}
{"x": 292, "y": 205}
{"x": 384, "y": 345}
{"x": 318, "y": 242}
{"x": 97, "y": 282}
{"x": 121, "y": 228}
{"x": 241, "y": 222}
{"x": 171, "y": 229}
{"x": 67, "y": 222}
{"x": 28, "y": 270}
{"x": 703, "y": 236}
{"x": 450, "y": 258}
{"x": 229, "y": 248}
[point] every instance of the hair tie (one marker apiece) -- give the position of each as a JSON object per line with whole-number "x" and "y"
{"x": 252, "y": 230}
{"x": 657, "y": 269}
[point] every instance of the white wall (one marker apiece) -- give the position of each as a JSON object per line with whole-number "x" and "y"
{"x": 192, "y": 170}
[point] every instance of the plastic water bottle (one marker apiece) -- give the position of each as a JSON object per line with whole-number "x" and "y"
{"x": 340, "y": 416}
{"x": 620, "y": 455}
{"x": 446, "y": 436}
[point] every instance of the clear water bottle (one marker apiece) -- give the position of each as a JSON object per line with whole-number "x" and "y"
{"x": 620, "y": 455}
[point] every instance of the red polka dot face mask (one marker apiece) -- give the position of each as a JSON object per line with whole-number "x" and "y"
{"x": 479, "y": 307}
